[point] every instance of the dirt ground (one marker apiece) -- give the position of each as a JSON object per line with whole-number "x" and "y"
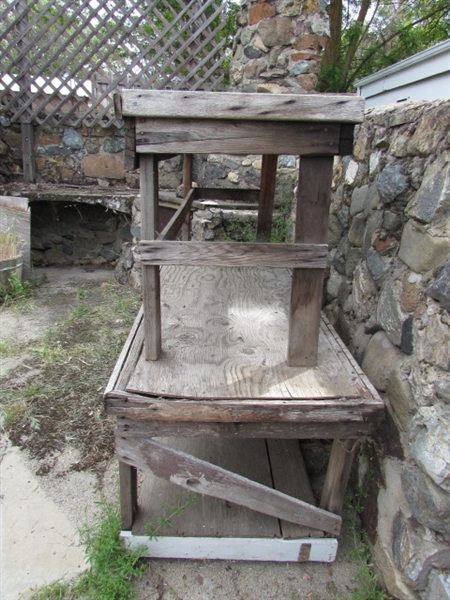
{"x": 57, "y": 350}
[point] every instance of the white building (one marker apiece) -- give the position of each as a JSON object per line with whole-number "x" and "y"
{"x": 423, "y": 76}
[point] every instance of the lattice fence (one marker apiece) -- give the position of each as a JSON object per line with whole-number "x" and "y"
{"x": 63, "y": 60}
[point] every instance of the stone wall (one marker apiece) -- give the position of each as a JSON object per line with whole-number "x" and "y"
{"x": 65, "y": 155}
{"x": 77, "y": 233}
{"x": 388, "y": 294}
{"x": 278, "y": 45}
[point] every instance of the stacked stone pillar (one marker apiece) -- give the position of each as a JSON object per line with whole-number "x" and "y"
{"x": 278, "y": 45}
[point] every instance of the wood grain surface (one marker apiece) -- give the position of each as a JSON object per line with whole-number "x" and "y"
{"x": 236, "y": 137}
{"x": 228, "y": 254}
{"x": 240, "y": 106}
{"x": 224, "y": 333}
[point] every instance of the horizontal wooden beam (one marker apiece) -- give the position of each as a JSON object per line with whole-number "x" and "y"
{"x": 236, "y": 137}
{"x": 235, "y": 195}
{"x": 339, "y": 410}
{"x": 201, "y": 477}
{"x": 234, "y": 254}
{"x": 240, "y": 106}
{"x": 135, "y": 428}
{"x": 226, "y": 548}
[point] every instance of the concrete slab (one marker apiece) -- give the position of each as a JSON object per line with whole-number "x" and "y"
{"x": 38, "y": 543}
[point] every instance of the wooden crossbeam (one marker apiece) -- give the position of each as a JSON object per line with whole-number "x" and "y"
{"x": 202, "y": 477}
{"x": 234, "y": 105}
{"x": 230, "y": 136}
{"x": 234, "y": 254}
{"x": 245, "y": 411}
{"x": 234, "y": 194}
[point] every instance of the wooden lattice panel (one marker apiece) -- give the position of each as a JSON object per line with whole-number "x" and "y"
{"x": 62, "y": 61}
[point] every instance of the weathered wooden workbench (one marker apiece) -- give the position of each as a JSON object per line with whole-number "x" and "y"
{"x": 229, "y": 357}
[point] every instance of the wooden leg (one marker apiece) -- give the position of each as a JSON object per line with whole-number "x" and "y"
{"x": 152, "y": 312}
{"x": 311, "y": 226}
{"x": 150, "y": 275}
{"x": 187, "y": 185}
{"x": 304, "y": 322}
{"x": 266, "y": 197}
{"x": 338, "y": 473}
{"x": 128, "y": 494}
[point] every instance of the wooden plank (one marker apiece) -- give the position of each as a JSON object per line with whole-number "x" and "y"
{"x": 242, "y": 549}
{"x": 123, "y": 362}
{"x": 338, "y": 473}
{"x": 141, "y": 426}
{"x": 209, "y": 516}
{"x": 289, "y": 476}
{"x": 245, "y": 549}
{"x": 225, "y": 336}
{"x": 235, "y": 194}
{"x": 242, "y": 410}
{"x": 234, "y": 105}
{"x": 179, "y": 218}
{"x": 266, "y": 197}
{"x": 202, "y": 477}
{"x": 228, "y": 254}
{"x": 127, "y": 494}
{"x": 313, "y": 199}
{"x": 236, "y": 137}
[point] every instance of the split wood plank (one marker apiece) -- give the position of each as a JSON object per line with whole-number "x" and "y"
{"x": 235, "y": 105}
{"x": 236, "y": 137}
{"x": 266, "y": 197}
{"x": 246, "y": 549}
{"x": 228, "y": 254}
{"x": 313, "y": 199}
{"x": 124, "y": 367}
{"x": 202, "y": 477}
{"x": 209, "y": 516}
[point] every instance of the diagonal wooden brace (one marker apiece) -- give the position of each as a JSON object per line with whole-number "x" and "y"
{"x": 205, "y": 478}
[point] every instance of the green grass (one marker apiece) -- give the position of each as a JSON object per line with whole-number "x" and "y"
{"x": 19, "y": 292}
{"x": 112, "y": 569}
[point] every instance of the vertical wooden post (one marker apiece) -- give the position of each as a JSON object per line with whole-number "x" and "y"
{"x": 266, "y": 197}
{"x": 128, "y": 494}
{"x": 150, "y": 274}
{"x": 187, "y": 185}
{"x": 338, "y": 473}
{"x": 28, "y": 154}
{"x": 313, "y": 200}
